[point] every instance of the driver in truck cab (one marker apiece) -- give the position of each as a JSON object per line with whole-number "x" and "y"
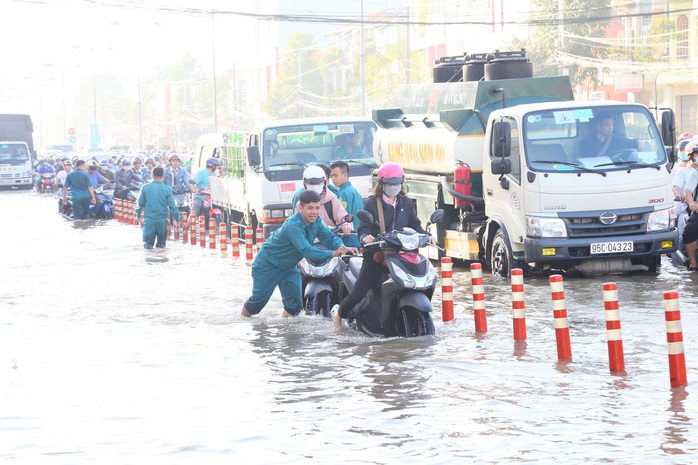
{"x": 603, "y": 142}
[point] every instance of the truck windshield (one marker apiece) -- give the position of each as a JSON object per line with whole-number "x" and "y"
{"x": 601, "y": 139}
{"x": 300, "y": 146}
{"x": 13, "y": 154}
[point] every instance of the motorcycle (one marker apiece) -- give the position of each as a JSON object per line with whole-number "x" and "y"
{"x": 46, "y": 183}
{"x": 183, "y": 201}
{"x": 209, "y": 210}
{"x": 400, "y": 306}
{"x": 320, "y": 280}
{"x": 103, "y": 209}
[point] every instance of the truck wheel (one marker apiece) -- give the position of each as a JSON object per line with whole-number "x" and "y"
{"x": 501, "y": 258}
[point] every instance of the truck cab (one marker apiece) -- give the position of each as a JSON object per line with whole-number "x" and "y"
{"x": 583, "y": 184}
{"x": 262, "y": 169}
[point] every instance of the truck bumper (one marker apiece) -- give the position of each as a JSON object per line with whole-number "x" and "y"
{"x": 12, "y": 181}
{"x": 578, "y": 249}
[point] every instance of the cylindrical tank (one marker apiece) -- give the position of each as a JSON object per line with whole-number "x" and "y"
{"x": 462, "y": 184}
{"x": 474, "y": 68}
{"x": 508, "y": 65}
{"x": 449, "y": 69}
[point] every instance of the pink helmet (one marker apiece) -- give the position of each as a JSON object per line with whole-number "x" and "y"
{"x": 391, "y": 173}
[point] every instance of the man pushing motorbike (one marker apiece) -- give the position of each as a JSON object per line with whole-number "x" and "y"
{"x": 276, "y": 263}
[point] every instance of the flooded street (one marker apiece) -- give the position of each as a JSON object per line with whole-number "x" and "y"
{"x": 111, "y": 354}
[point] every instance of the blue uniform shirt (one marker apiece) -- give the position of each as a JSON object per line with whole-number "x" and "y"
{"x": 157, "y": 200}
{"x": 294, "y": 240}
{"x": 352, "y": 203}
{"x": 78, "y": 182}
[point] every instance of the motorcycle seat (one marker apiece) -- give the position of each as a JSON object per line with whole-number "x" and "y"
{"x": 355, "y": 265}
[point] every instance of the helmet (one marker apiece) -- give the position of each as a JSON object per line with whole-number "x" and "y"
{"x": 686, "y": 135}
{"x": 92, "y": 165}
{"x": 212, "y": 162}
{"x": 149, "y": 160}
{"x": 174, "y": 156}
{"x": 104, "y": 163}
{"x": 692, "y": 147}
{"x": 125, "y": 162}
{"x": 391, "y": 173}
{"x": 137, "y": 160}
{"x": 682, "y": 144}
{"x": 157, "y": 158}
{"x": 313, "y": 175}
{"x": 68, "y": 162}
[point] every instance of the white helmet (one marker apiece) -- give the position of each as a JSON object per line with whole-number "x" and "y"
{"x": 313, "y": 175}
{"x": 692, "y": 147}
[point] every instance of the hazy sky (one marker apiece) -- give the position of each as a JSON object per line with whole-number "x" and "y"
{"x": 42, "y": 39}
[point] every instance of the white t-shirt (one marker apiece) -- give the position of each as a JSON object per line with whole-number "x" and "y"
{"x": 60, "y": 177}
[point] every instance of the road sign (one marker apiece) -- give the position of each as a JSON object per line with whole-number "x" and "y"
{"x": 71, "y": 131}
{"x": 72, "y": 139}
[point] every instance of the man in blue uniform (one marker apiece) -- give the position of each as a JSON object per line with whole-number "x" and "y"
{"x": 157, "y": 201}
{"x": 276, "y": 263}
{"x": 81, "y": 187}
{"x": 349, "y": 196}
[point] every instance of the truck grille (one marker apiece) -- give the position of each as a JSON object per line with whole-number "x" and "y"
{"x": 589, "y": 224}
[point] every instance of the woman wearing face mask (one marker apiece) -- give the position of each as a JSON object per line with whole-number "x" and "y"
{"x": 332, "y": 211}
{"x": 398, "y": 213}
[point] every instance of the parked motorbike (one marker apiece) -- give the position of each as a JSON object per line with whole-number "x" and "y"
{"x": 400, "y": 304}
{"x": 320, "y": 280}
{"x": 103, "y": 209}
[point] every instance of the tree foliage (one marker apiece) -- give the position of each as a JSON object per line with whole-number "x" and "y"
{"x": 553, "y": 41}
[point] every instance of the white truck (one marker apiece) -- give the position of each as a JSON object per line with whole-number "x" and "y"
{"x": 16, "y": 151}
{"x": 262, "y": 169}
{"x": 514, "y": 164}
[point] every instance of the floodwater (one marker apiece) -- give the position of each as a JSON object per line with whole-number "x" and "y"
{"x": 111, "y": 354}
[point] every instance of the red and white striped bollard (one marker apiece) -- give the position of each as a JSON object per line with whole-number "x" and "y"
{"x": 479, "y": 311}
{"x": 211, "y": 233}
{"x": 517, "y": 304}
{"x": 223, "y": 237}
{"x": 674, "y": 338}
{"x": 202, "y": 231}
{"x": 616, "y": 358}
{"x": 248, "y": 242}
{"x": 446, "y": 289}
{"x": 235, "y": 240}
{"x": 562, "y": 330}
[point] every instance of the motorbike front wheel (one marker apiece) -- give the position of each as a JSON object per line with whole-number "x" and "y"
{"x": 410, "y": 322}
{"x": 319, "y": 304}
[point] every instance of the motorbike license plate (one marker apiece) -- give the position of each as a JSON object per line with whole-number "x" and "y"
{"x": 611, "y": 247}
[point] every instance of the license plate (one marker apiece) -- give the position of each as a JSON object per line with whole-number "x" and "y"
{"x": 612, "y": 247}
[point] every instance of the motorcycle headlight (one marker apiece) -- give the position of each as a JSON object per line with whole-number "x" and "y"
{"x": 540, "y": 227}
{"x": 404, "y": 277}
{"x": 661, "y": 220}
{"x": 409, "y": 241}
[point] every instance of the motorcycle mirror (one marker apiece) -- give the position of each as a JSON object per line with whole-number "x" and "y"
{"x": 437, "y": 216}
{"x": 365, "y": 216}
{"x": 349, "y": 219}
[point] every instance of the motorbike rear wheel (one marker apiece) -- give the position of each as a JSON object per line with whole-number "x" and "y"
{"x": 411, "y": 322}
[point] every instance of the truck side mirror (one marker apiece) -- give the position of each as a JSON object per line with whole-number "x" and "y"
{"x": 253, "y": 158}
{"x": 501, "y": 166}
{"x": 501, "y": 139}
{"x": 668, "y": 133}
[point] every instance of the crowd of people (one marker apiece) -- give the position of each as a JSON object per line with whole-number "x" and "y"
{"x": 685, "y": 189}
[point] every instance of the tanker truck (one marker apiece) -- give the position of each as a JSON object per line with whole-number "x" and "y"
{"x": 524, "y": 174}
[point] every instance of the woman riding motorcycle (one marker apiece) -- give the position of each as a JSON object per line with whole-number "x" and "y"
{"x": 398, "y": 213}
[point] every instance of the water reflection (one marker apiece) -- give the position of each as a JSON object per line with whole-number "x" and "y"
{"x": 677, "y": 424}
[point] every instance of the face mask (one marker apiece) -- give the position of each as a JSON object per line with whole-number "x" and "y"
{"x": 392, "y": 190}
{"x": 683, "y": 156}
{"x": 317, "y": 188}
